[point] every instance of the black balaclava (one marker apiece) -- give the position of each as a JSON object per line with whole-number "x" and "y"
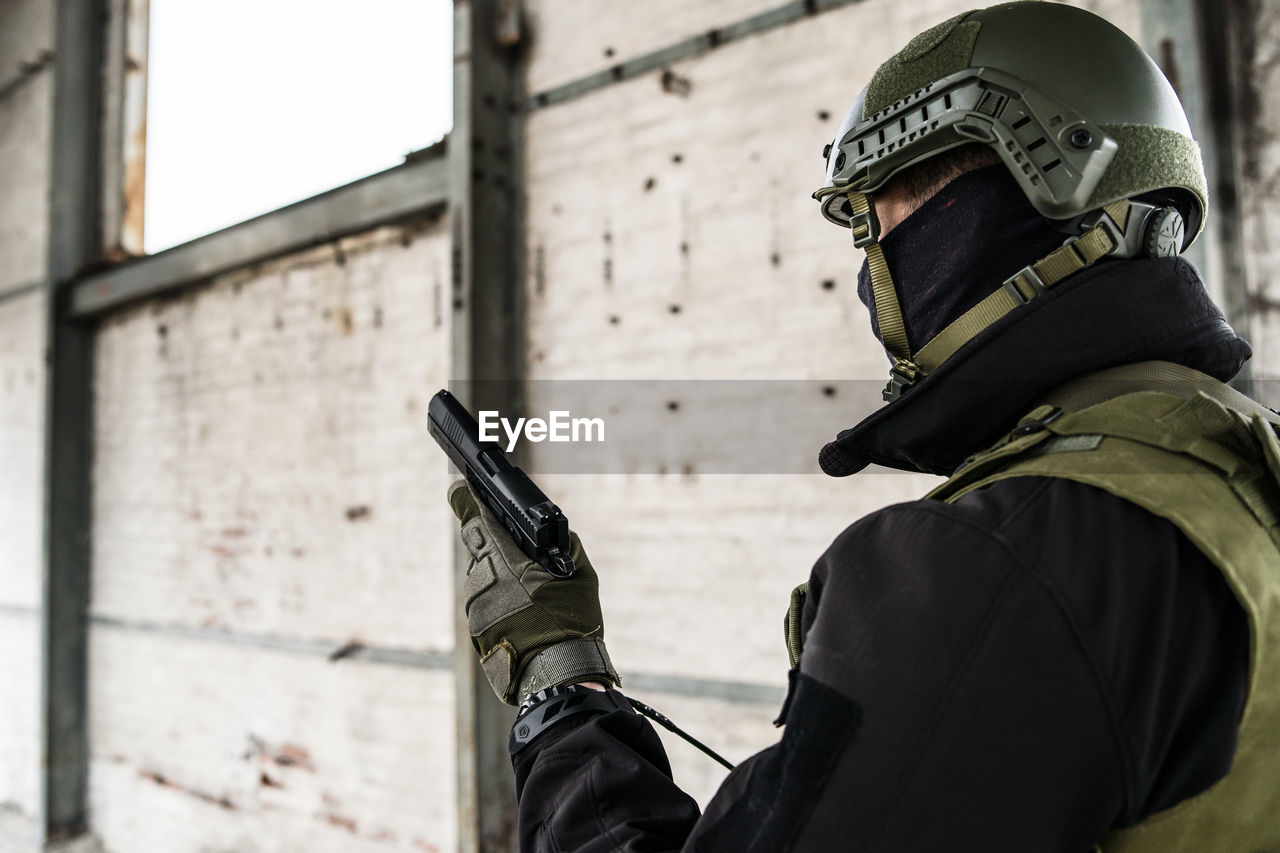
{"x": 957, "y": 248}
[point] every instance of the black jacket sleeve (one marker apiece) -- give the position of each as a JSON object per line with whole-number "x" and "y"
{"x": 972, "y": 678}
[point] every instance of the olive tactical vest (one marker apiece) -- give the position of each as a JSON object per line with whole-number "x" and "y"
{"x": 1189, "y": 449}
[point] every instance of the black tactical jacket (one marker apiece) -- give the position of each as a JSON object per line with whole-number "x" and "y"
{"x": 1017, "y": 671}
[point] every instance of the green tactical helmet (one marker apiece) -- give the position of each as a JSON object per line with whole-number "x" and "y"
{"x": 1082, "y": 118}
{"x": 1078, "y": 113}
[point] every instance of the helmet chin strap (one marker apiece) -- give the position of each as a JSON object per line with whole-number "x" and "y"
{"x": 893, "y": 329}
{"x": 1122, "y": 228}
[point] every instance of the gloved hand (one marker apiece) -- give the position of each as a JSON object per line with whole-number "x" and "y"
{"x": 532, "y": 630}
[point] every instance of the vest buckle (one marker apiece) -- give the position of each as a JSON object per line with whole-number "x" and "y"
{"x": 902, "y": 376}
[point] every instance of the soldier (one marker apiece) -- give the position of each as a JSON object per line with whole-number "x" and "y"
{"x": 1074, "y": 641}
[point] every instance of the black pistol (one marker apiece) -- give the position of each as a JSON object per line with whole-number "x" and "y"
{"x": 537, "y": 525}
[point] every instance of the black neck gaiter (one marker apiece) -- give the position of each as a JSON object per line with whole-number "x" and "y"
{"x": 957, "y": 248}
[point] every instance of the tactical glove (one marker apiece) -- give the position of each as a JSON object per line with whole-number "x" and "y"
{"x": 531, "y": 629}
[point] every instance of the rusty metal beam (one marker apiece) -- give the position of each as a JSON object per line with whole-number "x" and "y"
{"x": 124, "y": 136}
{"x": 416, "y": 188}
{"x": 485, "y": 218}
{"x": 73, "y": 245}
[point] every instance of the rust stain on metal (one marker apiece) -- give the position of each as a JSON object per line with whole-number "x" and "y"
{"x": 422, "y": 844}
{"x": 508, "y": 23}
{"x": 112, "y": 255}
{"x": 126, "y": 112}
{"x": 133, "y": 219}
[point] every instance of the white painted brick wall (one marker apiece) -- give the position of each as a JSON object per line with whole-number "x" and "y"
{"x": 200, "y": 747}
{"x": 263, "y": 467}
{"x": 1260, "y": 196}
{"x": 25, "y": 142}
{"x": 571, "y": 38}
{"x": 26, "y": 46}
{"x": 20, "y": 728}
{"x": 618, "y": 229}
{"x": 22, "y": 377}
{"x": 262, "y": 459}
{"x": 26, "y": 32}
{"x": 26, "y": 35}
{"x": 22, "y": 380}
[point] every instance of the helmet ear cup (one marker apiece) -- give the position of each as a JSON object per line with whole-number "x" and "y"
{"x": 1163, "y": 233}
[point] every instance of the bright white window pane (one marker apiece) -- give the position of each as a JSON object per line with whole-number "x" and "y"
{"x": 255, "y": 104}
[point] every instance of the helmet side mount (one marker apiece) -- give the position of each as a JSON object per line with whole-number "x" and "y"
{"x": 1055, "y": 155}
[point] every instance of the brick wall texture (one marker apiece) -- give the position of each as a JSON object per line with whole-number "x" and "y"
{"x": 263, "y": 470}
{"x": 22, "y": 377}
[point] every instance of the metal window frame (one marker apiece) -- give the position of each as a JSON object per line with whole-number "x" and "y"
{"x": 416, "y": 188}
{"x": 124, "y": 128}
